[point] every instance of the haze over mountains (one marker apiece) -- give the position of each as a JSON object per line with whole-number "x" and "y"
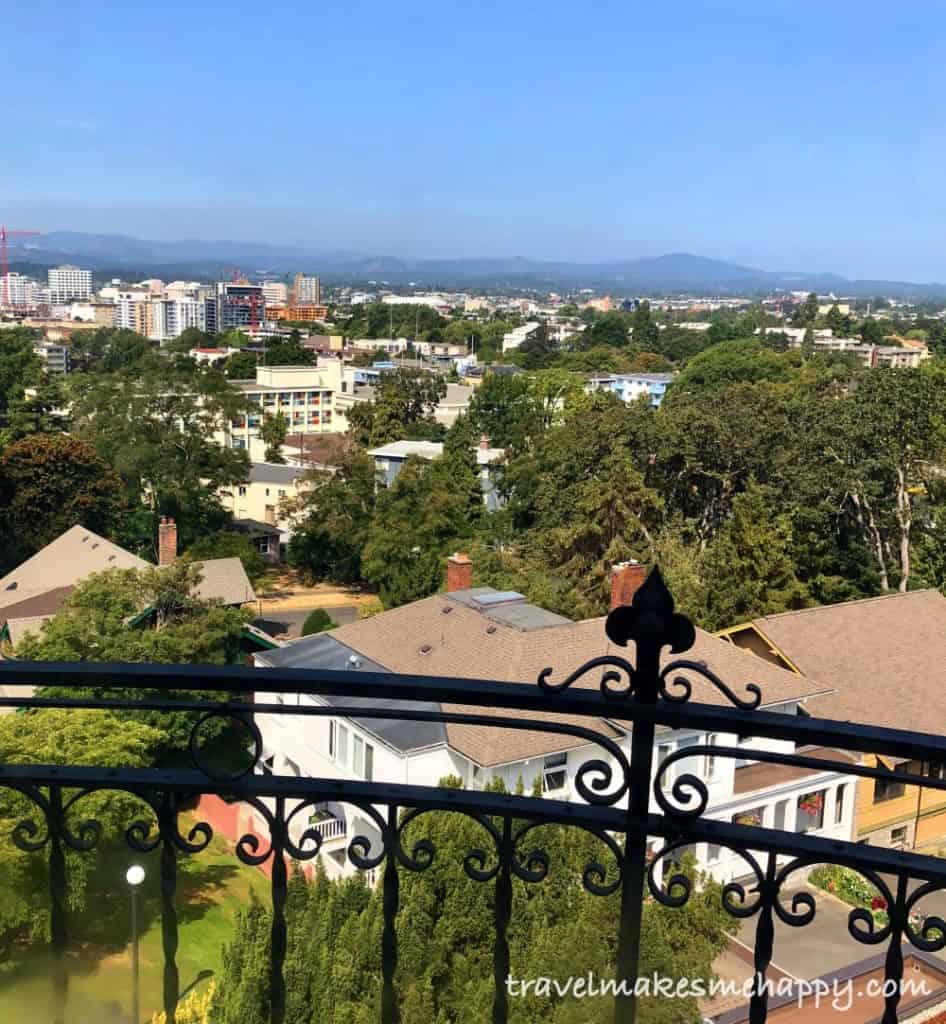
{"x": 671, "y": 273}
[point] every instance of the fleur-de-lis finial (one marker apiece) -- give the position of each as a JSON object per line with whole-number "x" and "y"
{"x": 650, "y": 619}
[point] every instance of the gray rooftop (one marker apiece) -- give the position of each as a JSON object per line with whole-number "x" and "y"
{"x": 273, "y": 473}
{"x": 322, "y": 651}
{"x": 507, "y": 608}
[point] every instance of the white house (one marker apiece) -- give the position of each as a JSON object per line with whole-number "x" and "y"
{"x": 481, "y": 633}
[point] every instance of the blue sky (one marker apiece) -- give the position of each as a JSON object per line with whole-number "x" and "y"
{"x": 787, "y": 135}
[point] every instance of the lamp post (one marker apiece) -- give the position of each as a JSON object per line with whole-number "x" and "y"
{"x": 134, "y": 876}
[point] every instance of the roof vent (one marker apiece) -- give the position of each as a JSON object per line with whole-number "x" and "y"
{"x": 490, "y": 630}
{"x": 426, "y": 649}
{"x": 95, "y": 545}
{"x": 111, "y": 558}
{"x": 447, "y": 609}
{"x": 11, "y": 586}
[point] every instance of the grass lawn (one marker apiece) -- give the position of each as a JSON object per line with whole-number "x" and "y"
{"x": 211, "y": 887}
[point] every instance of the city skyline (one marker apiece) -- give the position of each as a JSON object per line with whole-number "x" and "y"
{"x": 781, "y": 139}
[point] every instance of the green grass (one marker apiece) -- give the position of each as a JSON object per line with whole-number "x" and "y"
{"x": 212, "y": 886}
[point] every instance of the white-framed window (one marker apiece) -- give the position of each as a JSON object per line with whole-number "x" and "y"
{"x": 898, "y": 836}
{"x": 554, "y": 772}
{"x": 341, "y": 754}
{"x": 839, "y": 804}
{"x": 664, "y": 750}
{"x": 358, "y": 758}
{"x": 711, "y": 765}
{"x": 713, "y": 853}
{"x": 241, "y": 491}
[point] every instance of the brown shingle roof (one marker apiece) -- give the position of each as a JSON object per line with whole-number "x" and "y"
{"x": 761, "y": 775}
{"x": 48, "y": 602}
{"x": 868, "y": 651}
{"x": 67, "y": 560}
{"x": 423, "y": 639}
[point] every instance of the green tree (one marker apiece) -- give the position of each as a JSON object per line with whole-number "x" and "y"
{"x": 158, "y": 429}
{"x": 503, "y": 408}
{"x": 404, "y": 402}
{"x": 65, "y": 737}
{"x": 20, "y": 367}
{"x": 318, "y": 621}
{"x": 835, "y": 320}
{"x": 142, "y": 615}
{"x": 273, "y": 432}
{"x": 748, "y": 569}
{"x": 731, "y": 362}
{"x": 644, "y": 329}
{"x": 241, "y": 366}
{"x": 50, "y": 482}
{"x": 335, "y": 513}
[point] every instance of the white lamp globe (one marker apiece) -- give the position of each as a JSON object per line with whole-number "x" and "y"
{"x": 135, "y": 875}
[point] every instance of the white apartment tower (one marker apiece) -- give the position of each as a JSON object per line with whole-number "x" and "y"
{"x": 66, "y": 284}
{"x": 308, "y": 290}
{"x": 17, "y": 290}
{"x": 275, "y": 293}
{"x": 171, "y": 317}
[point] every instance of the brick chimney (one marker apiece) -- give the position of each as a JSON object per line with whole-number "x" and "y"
{"x": 459, "y": 572}
{"x": 626, "y": 579}
{"x": 167, "y": 541}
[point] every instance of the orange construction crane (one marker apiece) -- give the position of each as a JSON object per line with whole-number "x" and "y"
{"x": 6, "y": 233}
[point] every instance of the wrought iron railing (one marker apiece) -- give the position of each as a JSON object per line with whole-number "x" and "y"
{"x": 615, "y": 791}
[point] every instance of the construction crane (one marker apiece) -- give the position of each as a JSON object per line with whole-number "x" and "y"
{"x": 6, "y": 233}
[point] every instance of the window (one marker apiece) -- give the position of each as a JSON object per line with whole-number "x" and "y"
{"x": 711, "y": 760}
{"x": 935, "y": 769}
{"x": 241, "y": 491}
{"x": 342, "y": 754}
{"x": 664, "y": 750}
{"x": 810, "y": 811}
{"x": 751, "y": 816}
{"x": 281, "y": 492}
{"x": 331, "y": 737}
{"x": 369, "y": 762}
{"x": 238, "y": 442}
{"x": 713, "y": 853}
{"x": 554, "y": 773}
{"x": 358, "y": 759}
{"x": 898, "y": 836}
{"x": 887, "y": 789}
{"x": 839, "y": 805}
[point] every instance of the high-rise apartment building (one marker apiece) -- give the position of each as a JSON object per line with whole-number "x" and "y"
{"x": 307, "y": 291}
{"x": 275, "y": 293}
{"x": 171, "y": 317}
{"x": 67, "y": 283}
{"x": 239, "y": 305}
{"x": 17, "y": 290}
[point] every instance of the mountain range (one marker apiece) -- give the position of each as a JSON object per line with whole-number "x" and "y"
{"x": 674, "y": 273}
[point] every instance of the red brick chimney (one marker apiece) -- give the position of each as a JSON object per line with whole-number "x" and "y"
{"x": 626, "y": 579}
{"x": 459, "y": 572}
{"x": 167, "y": 541}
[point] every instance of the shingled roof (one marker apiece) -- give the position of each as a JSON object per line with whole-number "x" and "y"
{"x": 865, "y": 652}
{"x": 452, "y": 635}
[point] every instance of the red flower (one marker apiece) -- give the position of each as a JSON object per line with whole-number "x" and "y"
{"x": 878, "y": 903}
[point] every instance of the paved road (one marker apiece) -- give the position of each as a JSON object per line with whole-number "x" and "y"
{"x": 290, "y": 621}
{"x": 825, "y": 945}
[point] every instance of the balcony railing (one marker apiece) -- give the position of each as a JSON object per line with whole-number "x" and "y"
{"x": 614, "y": 789}
{"x": 331, "y": 828}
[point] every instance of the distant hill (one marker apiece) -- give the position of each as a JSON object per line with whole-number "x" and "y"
{"x": 670, "y": 274}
